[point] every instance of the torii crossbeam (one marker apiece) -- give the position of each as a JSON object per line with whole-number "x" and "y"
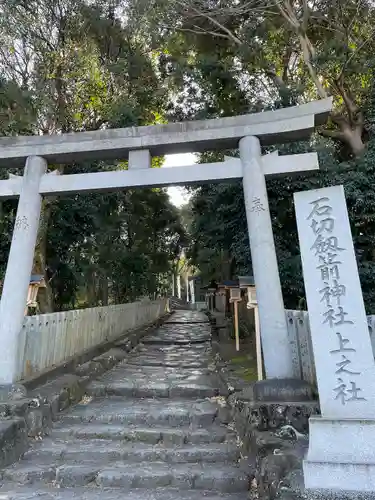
{"x": 138, "y": 144}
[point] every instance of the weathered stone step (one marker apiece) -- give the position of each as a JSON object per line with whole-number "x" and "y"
{"x": 131, "y": 389}
{"x": 173, "y": 321}
{"x": 151, "y": 349}
{"x": 159, "y": 339}
{"x": 179, "y": 334}
{"x": 145, "y": 434}
{"x": 184, "y": 384}
{"x": 187, "y": 317}
{"x": 149, "y": 411}
{"x": 47, "y": 493}
{"x": 172, "y": 363}
{"x": 101, "y": 451}
{"x": 175, "y": 356}
{"x": 161, "y": 372}
{"x": 220, "y": 477}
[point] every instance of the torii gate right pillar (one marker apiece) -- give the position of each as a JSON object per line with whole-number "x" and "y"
{"x": 273, "y": 327}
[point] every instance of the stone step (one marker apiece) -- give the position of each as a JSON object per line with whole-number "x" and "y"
{"x": 144, "y": 434}
{"x": 149, "y": 411}
{"x": 150, "y": 361}
{"x": 157, "y": 388}
{"x": 220, "y": 477}
{"x": 102, "y": 451}
{"x": 162, "y": 372}
{"x": 190, "y": 318}
{"x": 124, "y": 369}
{"x": 179, "y": 334}
{"x": 172, "y": 321}
{"x": 158, "y": 339}
{"x": 150, "y": 349}
{"x": 47, "y": 493}
{"x": 176, "y": 356}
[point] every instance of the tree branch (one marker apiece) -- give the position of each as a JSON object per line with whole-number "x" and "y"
{"x": 306, "y": 50}
{"x": 204, "y": 32}
{"x": 277, "y": 79}
{"x": 286, "y": 61}
{"x": 355, "y": 52}
{"x": 332, "y": 134}
{"x": 356, "y": 117}
{"x": 306, "y": 15}
{"x": 307, "y": 47}
{"x": 214, "y": 21}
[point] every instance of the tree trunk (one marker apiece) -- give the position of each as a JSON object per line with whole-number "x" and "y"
{"x": 348, "y": 134}
{"x": 355, "y": 142}
{"x": 91, "y": 289}
{"x": 45, "y": 295}
{"x": 104, "y": 290}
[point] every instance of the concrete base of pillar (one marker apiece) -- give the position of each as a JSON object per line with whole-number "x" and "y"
{"x": 341, "y": 455}
{"x": 12, "y": 392}
{"x": 281, "y": 390}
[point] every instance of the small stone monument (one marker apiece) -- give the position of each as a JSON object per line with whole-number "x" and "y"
{"x": 341, "y": 452}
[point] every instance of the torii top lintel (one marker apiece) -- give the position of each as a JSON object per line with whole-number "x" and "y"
{"x": 271, "y": 127}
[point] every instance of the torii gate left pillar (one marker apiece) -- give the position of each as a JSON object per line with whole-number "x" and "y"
{"x": 20, "y": 262}
{"x": 247, "y": 131}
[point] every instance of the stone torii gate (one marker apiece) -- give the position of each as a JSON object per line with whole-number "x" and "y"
{"x": 138, "y": 144}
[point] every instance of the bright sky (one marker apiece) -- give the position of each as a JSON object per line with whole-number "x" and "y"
{"x": 178, "y": 195}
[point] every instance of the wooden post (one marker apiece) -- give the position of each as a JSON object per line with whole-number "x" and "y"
{"x": 258, "y": 344}
{"x": 235, "y": 297}
{"x": 236, "y": 329}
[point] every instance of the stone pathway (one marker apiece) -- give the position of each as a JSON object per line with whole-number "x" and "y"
{"x": 149, "y": 429}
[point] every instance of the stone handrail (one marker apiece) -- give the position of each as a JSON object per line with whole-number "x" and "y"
{"x": 48, "y": 340}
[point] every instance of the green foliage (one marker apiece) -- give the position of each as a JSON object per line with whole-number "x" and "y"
{"x": 219, "y": 231}
{"x": 75, "y": 66}
{"x": 229, "y": 58}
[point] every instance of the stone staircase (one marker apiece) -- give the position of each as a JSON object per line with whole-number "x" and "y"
{"x": 179, "y": 304}
{"x": 149, "y": 429}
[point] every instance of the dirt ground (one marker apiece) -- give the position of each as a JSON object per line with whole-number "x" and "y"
{"x": 242, "y": 363}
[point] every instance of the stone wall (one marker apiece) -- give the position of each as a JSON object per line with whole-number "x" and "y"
{"x": 273, "y": 435}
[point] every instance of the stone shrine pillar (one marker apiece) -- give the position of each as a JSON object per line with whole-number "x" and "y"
{"x": 178, "y": 283}
{"x": 20, "y": 263}
{"x": 273, "y": 326}
{"x": 173, "y": 286}
{"x": 341, "y": 452}
{"x": 192, "y": 291}
{"x": 187, "y": 288}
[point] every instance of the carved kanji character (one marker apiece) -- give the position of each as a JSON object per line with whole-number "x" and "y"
{"x": 319, "y": 209}
{"x": 342, "y": 366}
{"x": 323, "y": 245}
{"x": 326, "y": 224}
{"x": 342, "y": 343}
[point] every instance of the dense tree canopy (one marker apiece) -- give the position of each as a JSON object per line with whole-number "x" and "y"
{"x": 68, "y": 66}
{"x": 236, "y": 57}
{"x": 73, "y": 65}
